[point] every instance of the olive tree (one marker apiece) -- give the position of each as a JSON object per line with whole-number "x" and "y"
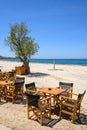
{"x": 21, "y": 44}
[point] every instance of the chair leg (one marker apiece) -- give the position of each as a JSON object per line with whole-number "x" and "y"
{"x": 60, "y": 114}
{"x": 50, "y": 113}
{"x": 6, "y": 99}
{"x": 13, "y": 100}
{"x": 72, "y": 121}
{"x": 22, "y": 98}
{"x": 41, "y": 118}
{"x": 27, "y": 106}
{"x": 27, "y": 112}
{"x": 73, "y": 116}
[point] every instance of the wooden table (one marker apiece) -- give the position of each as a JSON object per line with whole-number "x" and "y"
{"x": 5, "y": 83}
{"x": 55, "y": 92}
{"x": 52, "y": 91}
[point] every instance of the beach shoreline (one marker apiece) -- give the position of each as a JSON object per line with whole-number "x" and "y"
{"x": 44, "y": 75}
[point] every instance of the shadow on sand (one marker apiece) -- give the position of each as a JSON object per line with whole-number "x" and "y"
{"x": 56, "y": 69}
{"x": 37, "y": 74}
{"x": 82, "y": 120}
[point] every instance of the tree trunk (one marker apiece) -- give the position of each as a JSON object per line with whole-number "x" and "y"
{"x": 27, "y": 67}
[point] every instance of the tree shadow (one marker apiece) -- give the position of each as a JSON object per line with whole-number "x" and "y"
{"x": 82, "y": 119}
{"x": 56, "y": 69}
{"x": 37, "y": 74}
{"x": 18, "y": 101}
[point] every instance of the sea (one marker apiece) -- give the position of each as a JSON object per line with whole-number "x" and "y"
{"x": 82, "y": 62}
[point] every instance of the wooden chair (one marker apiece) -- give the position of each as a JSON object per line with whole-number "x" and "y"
{"x": 19, "y": 80}
{"x": 15, "y": 91}
{"x": 31, "y": 88}
{"x": 71, "y": 106}
{"x": 12, "y": 75}
{"x": 7, "y": 75}
{"x": 40, "y": 107}
{"x": 68, "y": 87}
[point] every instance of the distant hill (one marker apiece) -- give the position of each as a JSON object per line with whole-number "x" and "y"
{"x": 4, "y": 57}
{"x": 1, "y": 56}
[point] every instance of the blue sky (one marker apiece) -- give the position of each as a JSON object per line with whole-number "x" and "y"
{"x": 58, "y": 26}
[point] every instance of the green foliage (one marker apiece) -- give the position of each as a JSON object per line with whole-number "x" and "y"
{"x": 20, "y": 43}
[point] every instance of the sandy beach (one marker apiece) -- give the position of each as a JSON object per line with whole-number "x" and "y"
{"x": 14, "y": 115}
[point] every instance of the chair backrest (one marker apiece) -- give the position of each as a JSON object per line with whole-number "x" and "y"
{"x": 33, "y": 99}
{"x": 12, "y": 73}
{"x": 30, "y": 86}
{"x": 20, "y": 78}
{"x": 80, "y": 97}
{"x": 65, "y": 85}
{"x": 19, "y": 85}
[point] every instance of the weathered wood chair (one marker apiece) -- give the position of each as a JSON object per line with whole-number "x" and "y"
{"x": 15, "y": 91}
{"x": 20, "y": 80}
{"x": 71, "y": 106}
{"x": 68, "y": 87}
{"x": 7, "y": 75}
{"x": 12, "y": 75}
{"x": 40, "y": 107}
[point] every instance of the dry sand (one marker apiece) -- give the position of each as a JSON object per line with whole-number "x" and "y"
{"x": 14, "y": 115}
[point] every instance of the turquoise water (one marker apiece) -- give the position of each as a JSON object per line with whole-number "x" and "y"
{"x": 61, "y": 61}
{"x": 57, "y": 61}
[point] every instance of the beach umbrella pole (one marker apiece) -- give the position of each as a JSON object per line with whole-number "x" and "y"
{"x": 54, "y": 65}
